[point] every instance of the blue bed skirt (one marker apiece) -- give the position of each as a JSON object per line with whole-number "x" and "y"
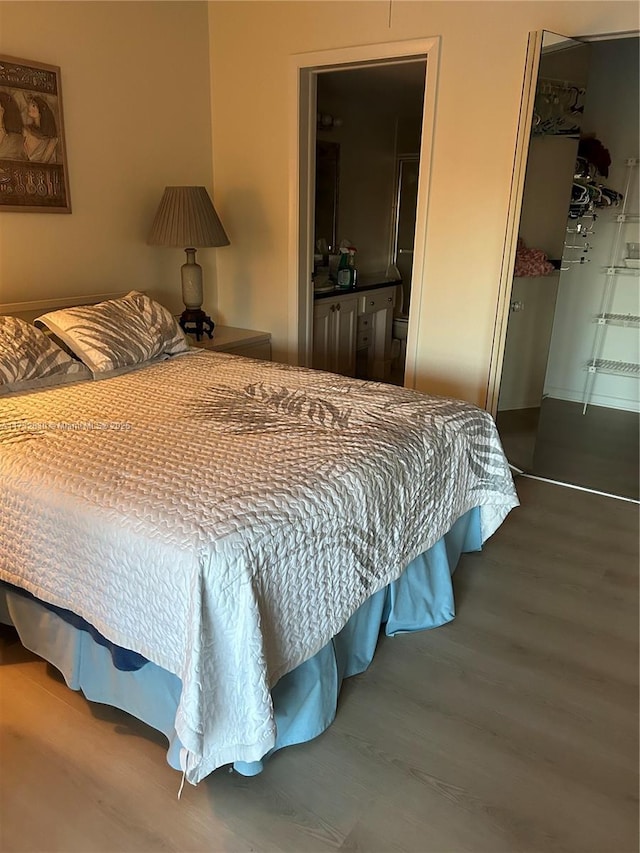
{"x": 304, "y": 700}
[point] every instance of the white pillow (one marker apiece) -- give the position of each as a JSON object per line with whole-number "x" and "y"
{"x": 28, "y": 355}
{"x": 118, "y": 332}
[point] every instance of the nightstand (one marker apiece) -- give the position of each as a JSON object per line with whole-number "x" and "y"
{"x": 237, "y": 341}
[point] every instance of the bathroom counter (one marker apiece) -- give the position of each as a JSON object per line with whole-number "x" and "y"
{"x": 367, "y": 281}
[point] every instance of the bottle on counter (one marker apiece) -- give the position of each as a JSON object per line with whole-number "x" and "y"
{"x": 346, "y": 279}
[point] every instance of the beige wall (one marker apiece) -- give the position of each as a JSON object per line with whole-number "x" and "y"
{"x": 136, "y": 86}
{"x": 135, "y": 83}
{"x": 480, "y": 81}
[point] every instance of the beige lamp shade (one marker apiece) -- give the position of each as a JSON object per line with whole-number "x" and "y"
{"x": 185, "y": 218}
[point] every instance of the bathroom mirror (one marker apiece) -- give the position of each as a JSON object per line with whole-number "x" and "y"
{"x": 327, "y": 181}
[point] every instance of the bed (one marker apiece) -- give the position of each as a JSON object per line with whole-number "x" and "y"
{"x": 241, "y": 529}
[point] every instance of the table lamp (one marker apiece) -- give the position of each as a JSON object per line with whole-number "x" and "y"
{"x": 186, "y": 219}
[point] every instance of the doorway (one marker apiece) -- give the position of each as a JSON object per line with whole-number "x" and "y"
{"x": 307, "y": 68}
{"x": 568, "y": 404}
{"x": 368, "y": 129}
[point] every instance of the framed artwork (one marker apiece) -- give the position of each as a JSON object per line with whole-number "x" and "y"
{"x": 33, "y": 163}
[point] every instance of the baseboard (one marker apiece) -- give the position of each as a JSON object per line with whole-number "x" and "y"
{"x": 572, "y": 486}
{"x": 625, "y": 405}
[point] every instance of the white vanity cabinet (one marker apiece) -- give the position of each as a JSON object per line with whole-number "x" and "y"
{"x": 354, "y": 324}
{"x": 375, "y": 323}
{"x": 334, "y": 334}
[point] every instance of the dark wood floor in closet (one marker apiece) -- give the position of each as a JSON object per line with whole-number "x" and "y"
{"x": 598, "y": 450}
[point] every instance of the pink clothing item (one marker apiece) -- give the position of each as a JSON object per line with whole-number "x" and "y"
{"x": 530, "y": 262}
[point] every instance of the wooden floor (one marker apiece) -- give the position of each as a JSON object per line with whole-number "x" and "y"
{"x": 513, "y": 728}
{"x": 599, "y": 449}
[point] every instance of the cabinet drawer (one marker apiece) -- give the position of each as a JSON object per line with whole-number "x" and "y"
{"x": 365, "y": 322}
{"x": 365, "y": 338}
{"x": 376, "y": 301}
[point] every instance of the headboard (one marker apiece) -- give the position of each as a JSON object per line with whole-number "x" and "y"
{"x": 30, "y": 310}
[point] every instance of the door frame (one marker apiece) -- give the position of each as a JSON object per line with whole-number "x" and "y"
{"x": 303, "y": 71}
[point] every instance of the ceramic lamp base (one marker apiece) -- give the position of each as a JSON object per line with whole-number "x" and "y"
{"x": 191, "y": 275}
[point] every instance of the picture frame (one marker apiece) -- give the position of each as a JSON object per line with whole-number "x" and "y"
{"x": 34, "y": 176}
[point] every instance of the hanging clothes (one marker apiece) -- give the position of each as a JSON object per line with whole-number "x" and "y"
{"x": 588, "y": 193}
{"x": 558, "y": 108}
{"x": 593, "y": 152}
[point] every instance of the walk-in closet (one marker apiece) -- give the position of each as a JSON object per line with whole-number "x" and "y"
{"x": 570, "y": 390}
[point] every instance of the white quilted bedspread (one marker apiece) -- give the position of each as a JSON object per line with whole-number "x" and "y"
{"x": 224, "y": 517}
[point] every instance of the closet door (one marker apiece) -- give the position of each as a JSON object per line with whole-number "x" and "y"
{"x": 555, "y": 125}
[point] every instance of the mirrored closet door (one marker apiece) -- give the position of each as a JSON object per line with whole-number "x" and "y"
{"x": 569, "y": 392}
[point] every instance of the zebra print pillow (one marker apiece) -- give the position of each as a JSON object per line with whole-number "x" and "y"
{"x": 26, "y": 354}
{"x": 117, "y": 333}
